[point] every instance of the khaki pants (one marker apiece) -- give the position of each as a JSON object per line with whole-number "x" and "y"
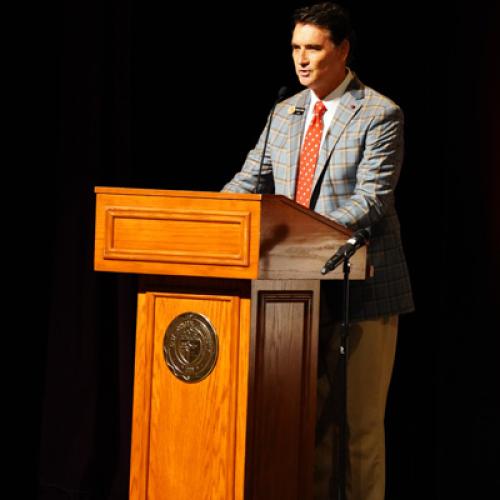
{"x": 371, "y": 350}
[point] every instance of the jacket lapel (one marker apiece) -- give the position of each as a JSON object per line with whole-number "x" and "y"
{"x": 349, "y": 105}
{"x": 295, "y": 138}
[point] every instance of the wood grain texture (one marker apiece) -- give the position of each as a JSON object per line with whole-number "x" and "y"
{"x": 141, "y": 414}
{"x": 247, "y": 430}
{"x": 175, "y": 234}
{"x": 282, "y": 390}
{"x": 179, "y": 194}
{"x": 242, "y": 395}
{"x": 190, "y": 441}
{"x": 296, "y": 242}
{"x": 222, "y": 235}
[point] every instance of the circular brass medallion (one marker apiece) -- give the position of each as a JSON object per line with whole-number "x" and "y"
{"x": 190, "y": 347}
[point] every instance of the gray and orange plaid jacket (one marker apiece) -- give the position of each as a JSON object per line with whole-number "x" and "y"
{"x": 358, "y": 169}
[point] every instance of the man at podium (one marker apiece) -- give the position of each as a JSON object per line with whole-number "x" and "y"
{"x": 337, "y": 147}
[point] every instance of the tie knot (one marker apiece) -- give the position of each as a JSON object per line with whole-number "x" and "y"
{"x": 319, "y": 109}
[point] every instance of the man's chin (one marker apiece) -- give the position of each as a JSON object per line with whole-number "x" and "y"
{"x": 305, "y": 80}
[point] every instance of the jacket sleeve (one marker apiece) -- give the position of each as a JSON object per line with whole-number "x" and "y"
{"x": 377, "y": 173}
{"x": 246, "y": 180}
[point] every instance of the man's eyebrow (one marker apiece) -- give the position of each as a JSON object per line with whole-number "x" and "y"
{"x": 308, "y": 46}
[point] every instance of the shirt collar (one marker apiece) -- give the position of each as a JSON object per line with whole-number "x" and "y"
{"x": 335, "y": 94}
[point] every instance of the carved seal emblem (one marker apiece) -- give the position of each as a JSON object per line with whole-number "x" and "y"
{"x": 190, "y": 347}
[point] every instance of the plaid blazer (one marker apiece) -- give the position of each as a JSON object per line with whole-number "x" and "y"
{"x": 358, "y": 169}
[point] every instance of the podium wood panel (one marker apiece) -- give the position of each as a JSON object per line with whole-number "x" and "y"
{"x": 250, "y": 264}
{"x": 282, "y": 389}
{"x": 176, "y": 233}
{"x": 247, "y": 430}
{"x": 189, "y": 438}
{"x": 296, "y": 242}
{"x": 221, "y": 235}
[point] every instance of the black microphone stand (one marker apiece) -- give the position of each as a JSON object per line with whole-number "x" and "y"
{"x": 343, "y": 357}
{"x": 343, "y": 255}
{"x": 281, "y": 95}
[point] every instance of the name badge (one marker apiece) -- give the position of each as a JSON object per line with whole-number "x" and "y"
{"x": 296, "y": 110}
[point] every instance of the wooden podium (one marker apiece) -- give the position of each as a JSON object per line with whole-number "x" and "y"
{"x": 226, "y": 348}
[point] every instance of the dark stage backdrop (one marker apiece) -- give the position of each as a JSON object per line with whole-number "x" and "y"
{"x": 172, "y": 96}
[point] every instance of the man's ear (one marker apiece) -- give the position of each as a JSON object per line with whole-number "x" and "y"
{"x": 345, "y": 47}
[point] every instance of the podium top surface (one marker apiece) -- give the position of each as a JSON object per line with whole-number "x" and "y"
{"x": 203, "y": 233}
{"x": 176, "y": 193}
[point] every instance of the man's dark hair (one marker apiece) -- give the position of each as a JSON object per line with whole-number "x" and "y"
{"x": 330, "y": 16}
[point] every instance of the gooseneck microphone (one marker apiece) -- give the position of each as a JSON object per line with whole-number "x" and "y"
{"x": 357, "y": 240}
{"x": 281, "y": 95}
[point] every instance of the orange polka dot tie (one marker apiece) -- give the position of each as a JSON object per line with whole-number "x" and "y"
{"x": 309, "y": 156}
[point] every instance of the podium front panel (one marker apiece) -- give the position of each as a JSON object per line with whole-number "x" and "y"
{"x": 189, "y": 436}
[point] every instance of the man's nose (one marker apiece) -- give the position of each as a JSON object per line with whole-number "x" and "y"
{"x": 303, "y": 59}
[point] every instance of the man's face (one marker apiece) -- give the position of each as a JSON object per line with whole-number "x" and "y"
{"x": 319, "y": 63}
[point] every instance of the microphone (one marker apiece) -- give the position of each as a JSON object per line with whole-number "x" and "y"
{"x": 281, "y": 95}
{"x": 357, "y": 240}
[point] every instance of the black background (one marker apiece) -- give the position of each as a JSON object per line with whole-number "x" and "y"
{"x": 145, "y": 94}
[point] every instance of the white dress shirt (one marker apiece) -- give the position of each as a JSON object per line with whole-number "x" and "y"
{"x": 331, "y": 101}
